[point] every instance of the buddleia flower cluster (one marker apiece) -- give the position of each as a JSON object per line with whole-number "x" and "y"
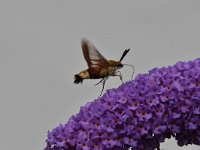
{"x": 140, "y": 114}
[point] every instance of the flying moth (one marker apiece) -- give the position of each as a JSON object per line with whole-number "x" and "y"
{"x": 98, "y": 66}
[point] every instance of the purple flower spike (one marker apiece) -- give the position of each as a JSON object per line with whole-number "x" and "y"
{"x": 138, "y": 114}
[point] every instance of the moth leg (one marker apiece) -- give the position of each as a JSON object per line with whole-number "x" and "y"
{"x": 104, "y": 81}
{"x": 100, "y": 81}
{"x": 119, "y": 75}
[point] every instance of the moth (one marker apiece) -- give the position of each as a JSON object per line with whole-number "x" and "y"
{"x": 98, "y": 66}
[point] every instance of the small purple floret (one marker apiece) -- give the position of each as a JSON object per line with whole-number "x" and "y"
{"x": 139, "y": 114}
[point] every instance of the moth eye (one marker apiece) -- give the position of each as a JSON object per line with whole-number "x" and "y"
{"x": 120, "y": 65}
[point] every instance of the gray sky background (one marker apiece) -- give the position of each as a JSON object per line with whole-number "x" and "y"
{"x": 40, "y": 53}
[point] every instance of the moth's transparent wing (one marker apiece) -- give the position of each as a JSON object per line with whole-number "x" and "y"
{"x": 93, "y": 58}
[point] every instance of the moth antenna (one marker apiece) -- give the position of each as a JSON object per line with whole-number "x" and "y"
{"x": 132, "y": 67}
{"x": 124, "y": 54}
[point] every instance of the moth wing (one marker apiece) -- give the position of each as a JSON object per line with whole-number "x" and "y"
{"x": 93, "y": 58}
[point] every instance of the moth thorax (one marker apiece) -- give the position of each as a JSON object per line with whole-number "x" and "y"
{"x": 113, "y": 63}
{"x": 116, "y": 64}
{"x": 84, "y": 74}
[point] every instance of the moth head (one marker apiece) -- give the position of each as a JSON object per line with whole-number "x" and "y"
{"x": 119, "y": 65}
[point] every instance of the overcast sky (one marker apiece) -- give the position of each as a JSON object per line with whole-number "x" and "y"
{"x": 40, "y": 53}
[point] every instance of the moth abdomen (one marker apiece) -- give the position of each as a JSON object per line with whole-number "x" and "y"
{"x": 78, "y": 79}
